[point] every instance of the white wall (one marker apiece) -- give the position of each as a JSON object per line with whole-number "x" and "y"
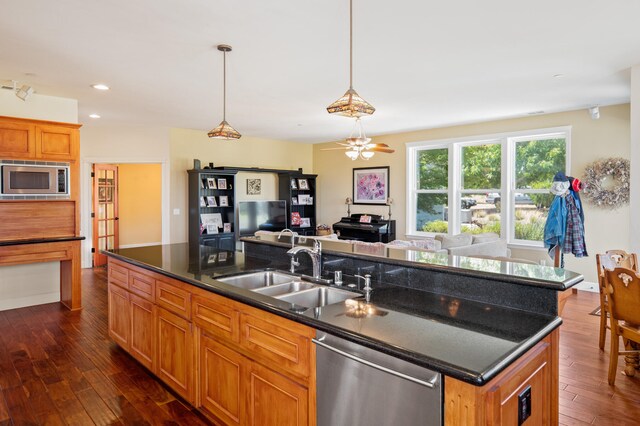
{"x": 635, "y": 158}
{"x": 101, "y": 143}
{"x": 32, "y": 284}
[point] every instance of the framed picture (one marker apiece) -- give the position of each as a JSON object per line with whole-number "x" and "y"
{"x": 371, "y": 185}
{"x": 294, "y": 201}
{"x": 303, "y": 184}
{"x": 305, "y": 222}
{"x": 222, "y": 183}
{"x": 211, "y": 219}
{"x": 212, "y": 258}
{"x": 227, "y": 227}
{"x": 294, "y": 184}
{"x": 304, "y": 199}
{"x": 212, "y": 228}
{"x": 211, "y": 183}
{"x": 203, "y": 202}
{"x": 211, "y": 201}
{"x": 254, "y": 186}
{"x": 365, "y": 218}
{"x": 295, "y": 219}
{"x": 222, "y": 256}
{"x": 224, "y": 201}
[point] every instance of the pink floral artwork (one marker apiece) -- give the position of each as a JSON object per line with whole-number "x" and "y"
{"x": 371, "y": 186}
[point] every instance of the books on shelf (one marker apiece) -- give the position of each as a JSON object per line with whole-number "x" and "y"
{"x": 295, "y": 219}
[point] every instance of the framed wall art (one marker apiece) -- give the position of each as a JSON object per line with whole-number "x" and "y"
{"x": 371, "y": 185}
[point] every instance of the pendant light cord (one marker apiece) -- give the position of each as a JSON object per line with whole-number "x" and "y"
{"x": 224, "y": 86}
{"x": 350, "y": 44}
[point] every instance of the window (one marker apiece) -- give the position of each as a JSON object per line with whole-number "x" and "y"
{"x": 498, "y": 183}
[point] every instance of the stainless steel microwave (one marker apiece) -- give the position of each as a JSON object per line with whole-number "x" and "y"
{"x": 19, "y": 179}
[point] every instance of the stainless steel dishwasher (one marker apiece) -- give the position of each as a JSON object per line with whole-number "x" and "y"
{"x": 358, "y": 386}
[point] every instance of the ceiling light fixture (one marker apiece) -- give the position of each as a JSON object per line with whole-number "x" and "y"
{"x": 224, "y": 130}
{"x": 100, "y": 86}
{"x": 360, "y": 146}
{"x": 22, "y": 93}
{"x": 351, "y": 104}
{"x": 94, "y": 115}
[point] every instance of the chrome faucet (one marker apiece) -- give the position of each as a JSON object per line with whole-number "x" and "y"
{"x": 293, "y": 236}
{"x": 367, "y": 286}
{"x": 315, "y": 254}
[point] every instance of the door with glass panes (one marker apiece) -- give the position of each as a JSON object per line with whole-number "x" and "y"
{"x": 105, "y": 211}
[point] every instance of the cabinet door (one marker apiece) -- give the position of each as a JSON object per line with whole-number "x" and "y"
{"x": 119, "y": 320}
{"x": 56, "y": 143}
{"x": 275, "y": 400}
{"x": 227, "y": 242}
{"x": 222, "y": 381}
{"x": 142, "y": 342}
{"x": 17, "y": 140}
{"x": 175, "y": 352}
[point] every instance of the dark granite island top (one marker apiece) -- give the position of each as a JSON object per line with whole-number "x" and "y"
{"x": 466, "y": 339}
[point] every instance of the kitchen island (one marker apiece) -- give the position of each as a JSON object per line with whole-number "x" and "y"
{"x": 229, "y": 350}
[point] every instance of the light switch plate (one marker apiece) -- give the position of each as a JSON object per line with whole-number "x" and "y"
{"x": 176, "y": 212}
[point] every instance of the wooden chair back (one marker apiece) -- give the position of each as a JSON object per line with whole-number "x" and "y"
{"x": 623, "y": 292}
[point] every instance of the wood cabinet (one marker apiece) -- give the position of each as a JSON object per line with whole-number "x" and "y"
{"x": 38, "y": 140}
{"x": 142, "y": 345}
{"x": 496, "y": 403}
{"x": 119, "y": 319}
{"x": 175, "y": 364}
{"x": 291, "y": 186}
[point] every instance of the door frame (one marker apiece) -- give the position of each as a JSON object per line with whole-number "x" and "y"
{"x": 86, "y": 225}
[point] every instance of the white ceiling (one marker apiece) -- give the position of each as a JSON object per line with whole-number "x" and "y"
{"x": 421, "y": 63}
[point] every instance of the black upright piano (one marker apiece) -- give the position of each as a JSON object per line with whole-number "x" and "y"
{"x": 377, "y": 230}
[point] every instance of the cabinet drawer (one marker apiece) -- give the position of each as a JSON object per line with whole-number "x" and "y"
{"x": 173, "y": 298}
{"x": 118, "y": 275}
{"x": 216, "y": 317}
{"x": 274, "y": 345}
{"x": 141, "y": 284}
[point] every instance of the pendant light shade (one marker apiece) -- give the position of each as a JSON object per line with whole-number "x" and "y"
{"x": 351, "y": 104}
{"x": 224, "y": 130}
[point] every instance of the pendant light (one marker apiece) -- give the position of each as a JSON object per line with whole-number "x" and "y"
{"x": 224, "y": 130}
{"x": 351, "y": 104}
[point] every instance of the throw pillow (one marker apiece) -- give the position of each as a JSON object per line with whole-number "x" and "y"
{"x": 485, "y": 238}
{"x": 451, "y": 241}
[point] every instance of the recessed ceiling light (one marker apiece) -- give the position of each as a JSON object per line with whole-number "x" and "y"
{"x": 558, "y": 75}
{"x": 94, "y": 115}
{"x": 100, "y": 86}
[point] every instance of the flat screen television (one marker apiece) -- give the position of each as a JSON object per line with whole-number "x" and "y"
{"x": 261, "y": 216}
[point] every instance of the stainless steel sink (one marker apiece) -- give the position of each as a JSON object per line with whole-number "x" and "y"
{"x": 318, "y": 297}
{"x": 257, "y": 280}
{"x": 280, "y": 289}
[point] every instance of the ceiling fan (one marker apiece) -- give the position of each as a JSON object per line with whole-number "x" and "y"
{"x": 360, "y": 146}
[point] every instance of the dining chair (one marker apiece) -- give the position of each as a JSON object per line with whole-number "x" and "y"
{"x": 611, "y": 260}
{"x": 622, "y": 288}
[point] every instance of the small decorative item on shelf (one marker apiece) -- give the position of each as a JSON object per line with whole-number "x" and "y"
{"x": 303, "y": 184}
{"x": 212, "y": 228}
{"x": 389, "y": 202}
{"x": 294, "y": 185}
{"x": 294, "y": 201}
{"x": 305, "y": 222}
{"x": 203, "y": 202}
{"x": 222, "y": 183}
{"x": 227, "y": 227}
{"x": 211, "y": 201}
{"x": 295, "y": 219}
{"x": 224, "y": 201}
{"x": 211, "y": 183}
{"x": 196, "y": 164}
{"x": 323, "y": 229}
{"x": 304, "y": 199}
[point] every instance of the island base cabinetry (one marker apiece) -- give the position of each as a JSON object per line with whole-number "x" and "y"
{"x": 237, "y": 364}
{"x": 532, "y": 379}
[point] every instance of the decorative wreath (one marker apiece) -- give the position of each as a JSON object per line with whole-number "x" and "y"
{"x": 595, "y": 175}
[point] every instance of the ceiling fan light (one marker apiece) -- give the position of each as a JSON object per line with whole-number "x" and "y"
{"x": 352, "y": 154}
{"x": 224, "y": 131}
{"x": 367, "y": 154}
{"x": 351, "y": 105}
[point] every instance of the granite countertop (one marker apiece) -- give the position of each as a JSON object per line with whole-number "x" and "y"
{"x": 467, "y": 340}
{"x": 513, "y": 272}
{"x": 40, "y": 241}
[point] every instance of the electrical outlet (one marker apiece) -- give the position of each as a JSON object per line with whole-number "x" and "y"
{"x": 176, "y": 212}
{"x": 524, "y": 405}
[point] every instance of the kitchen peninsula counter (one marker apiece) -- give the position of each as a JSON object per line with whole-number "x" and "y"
{"x": 469, "y": 340}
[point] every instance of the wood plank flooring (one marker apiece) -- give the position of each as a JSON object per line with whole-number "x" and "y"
{"x": 59, "y": 367}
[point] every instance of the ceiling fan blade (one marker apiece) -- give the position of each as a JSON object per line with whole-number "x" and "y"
{"x": 386, "y": 150}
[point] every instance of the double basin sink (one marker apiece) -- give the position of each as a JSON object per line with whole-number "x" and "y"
{"x": 289, "y": 288}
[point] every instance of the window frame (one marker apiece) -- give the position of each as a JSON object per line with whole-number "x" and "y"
{"x": 508, "y": 142}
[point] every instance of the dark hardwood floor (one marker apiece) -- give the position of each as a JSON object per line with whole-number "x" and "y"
{"x": 60, "y": 367}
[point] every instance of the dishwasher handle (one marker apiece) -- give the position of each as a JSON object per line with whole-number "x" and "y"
{"x": 430, "y": 384}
